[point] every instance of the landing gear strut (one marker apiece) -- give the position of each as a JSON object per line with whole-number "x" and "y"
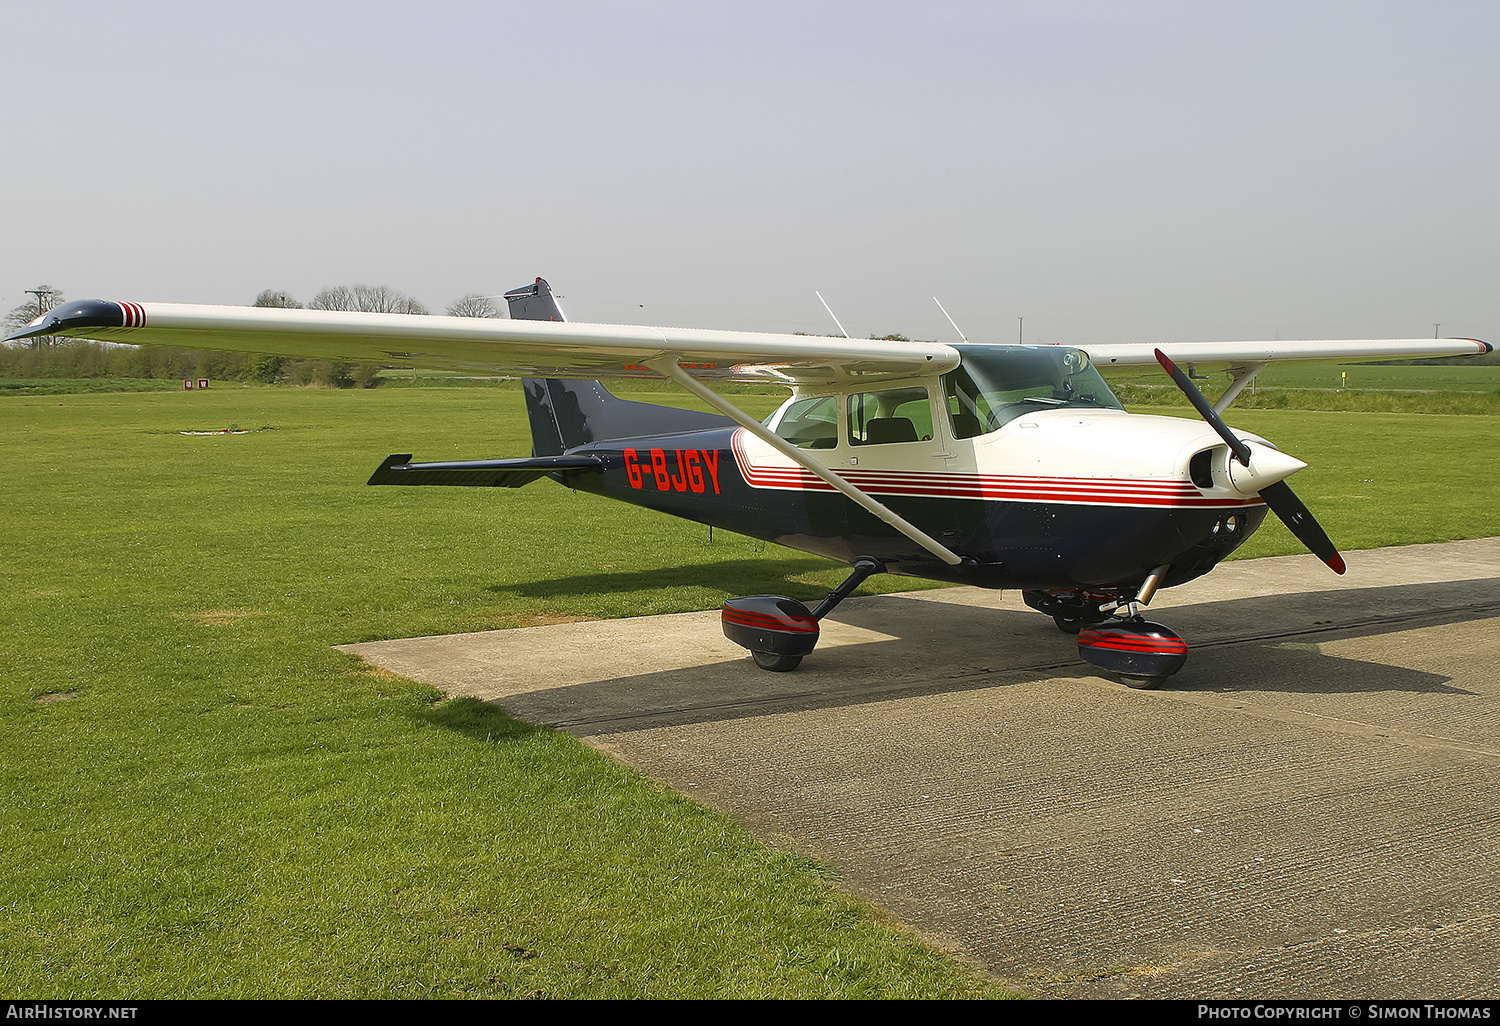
{"x": 1070, "y": 610}
{"x": 779, "y": 631}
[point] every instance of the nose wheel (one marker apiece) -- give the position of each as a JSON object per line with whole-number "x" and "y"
{"x": 1141, "y": 653}
{"x": 776, "y": 663}
{"x": 1111, "y": 636}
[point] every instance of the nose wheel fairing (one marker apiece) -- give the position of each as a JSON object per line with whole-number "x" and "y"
{"x": 1139, "y": 652}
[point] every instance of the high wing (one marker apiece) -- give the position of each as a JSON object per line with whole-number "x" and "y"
{"x": 575, "y": 350}
{"x": 1125, "y": 354}
{"x": 491, "y": 346}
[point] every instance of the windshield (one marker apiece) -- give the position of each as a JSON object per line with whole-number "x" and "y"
{"x": 996, "y": 384}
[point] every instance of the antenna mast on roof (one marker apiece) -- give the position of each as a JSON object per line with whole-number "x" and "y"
{"x": 951, "y": 320}
{"x": 831, "y": 313}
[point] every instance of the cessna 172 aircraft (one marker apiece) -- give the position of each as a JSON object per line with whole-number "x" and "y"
{"x": 1002, "y": 466}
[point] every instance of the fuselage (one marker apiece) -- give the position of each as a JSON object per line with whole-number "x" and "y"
{"x": 1054, "y": 487}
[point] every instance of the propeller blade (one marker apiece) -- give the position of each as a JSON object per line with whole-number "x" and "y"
{"x": 1200, "y": 403}
{"x": 1285, "y": 504}
{"x": 1279, "y": 496}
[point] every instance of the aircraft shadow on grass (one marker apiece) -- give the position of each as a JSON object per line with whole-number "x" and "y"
{"x": 1266, "y": 644}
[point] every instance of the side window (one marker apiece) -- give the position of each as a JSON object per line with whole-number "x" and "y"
{"x": 811, "y": 423}
{"x": 895, "y": 415}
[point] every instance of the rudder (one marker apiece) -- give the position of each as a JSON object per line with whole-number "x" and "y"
{"x": 567, "y": 413}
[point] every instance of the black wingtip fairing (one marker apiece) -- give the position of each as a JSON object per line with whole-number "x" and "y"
{"x": 82, "y": 314}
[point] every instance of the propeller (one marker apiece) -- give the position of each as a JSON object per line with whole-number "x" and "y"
{"x": 1278, "y": 495}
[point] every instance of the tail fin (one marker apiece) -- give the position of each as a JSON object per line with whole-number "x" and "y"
{"x": 568, "y": 413}
{"x": 533, "y": 303}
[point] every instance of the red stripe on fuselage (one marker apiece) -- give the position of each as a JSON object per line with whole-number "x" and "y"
{"x": 1117, "y": 491}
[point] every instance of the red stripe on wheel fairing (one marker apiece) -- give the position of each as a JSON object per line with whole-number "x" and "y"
{"x": 761, "y": 621}
{"x": 1133, "y": 643}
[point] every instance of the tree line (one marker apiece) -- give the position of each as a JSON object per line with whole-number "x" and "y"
{"x": 59, "y": 357}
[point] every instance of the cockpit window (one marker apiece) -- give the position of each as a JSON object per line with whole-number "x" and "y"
{"x": 996, "y": 384}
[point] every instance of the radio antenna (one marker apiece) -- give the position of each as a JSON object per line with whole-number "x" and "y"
{"x": 830, "y": 312}
{"x": 951, "y": 320}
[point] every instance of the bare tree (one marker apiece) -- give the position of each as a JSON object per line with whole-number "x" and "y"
{"x": 45, "y": 298}
{"x": 473, "y": 306}
{"x": 368, "y": 298}
{"x": 278, "y": 299}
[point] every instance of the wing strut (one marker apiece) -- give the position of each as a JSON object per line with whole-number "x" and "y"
{"x": 667, "y": 367}
{"x": 1239, "y": 377}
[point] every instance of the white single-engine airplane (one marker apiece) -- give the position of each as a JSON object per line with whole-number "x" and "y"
{"x": 1002, "y": 466}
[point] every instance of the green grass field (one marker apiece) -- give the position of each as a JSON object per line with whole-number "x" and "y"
{"x": 1360, "y": 376}
{"x": 1368, "y": 388}
{"x": 1421, "y": 377}
{"x": 203, "y": 799}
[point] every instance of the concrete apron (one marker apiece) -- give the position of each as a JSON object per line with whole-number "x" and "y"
{"x": 1307, "y": 810}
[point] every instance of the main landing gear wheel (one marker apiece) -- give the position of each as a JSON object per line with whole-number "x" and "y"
{"x": 779, "y": 631}
{"x": 1141, "y": 683}
{"x": 776, "y": 663}
{"x": 1071, "y": 624}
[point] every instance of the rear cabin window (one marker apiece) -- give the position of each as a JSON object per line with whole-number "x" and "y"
{"x": 892, "y": 415}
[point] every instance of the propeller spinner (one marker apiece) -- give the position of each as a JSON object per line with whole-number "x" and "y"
{"x": 1277, "y": 494}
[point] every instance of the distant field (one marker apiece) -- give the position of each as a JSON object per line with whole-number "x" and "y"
{"x": 11, "y": 387}
{"x": 1467, "y": 378}
{"x": 1447, "y": 377}
{"x": 202, "y": 799}
{"x": 1437, "y": 378}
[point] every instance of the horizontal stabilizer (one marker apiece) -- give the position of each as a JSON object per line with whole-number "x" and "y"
{"x": 399, "y": 470}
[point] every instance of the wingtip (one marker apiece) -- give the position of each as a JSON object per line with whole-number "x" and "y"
{"x": 81, "y": 314}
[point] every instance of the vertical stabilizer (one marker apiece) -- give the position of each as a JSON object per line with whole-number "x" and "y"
{"x": 568, "y": 413}
{"x": 533, "y": 303}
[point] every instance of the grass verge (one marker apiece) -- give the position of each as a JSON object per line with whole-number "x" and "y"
{"x": 202, "y": 799}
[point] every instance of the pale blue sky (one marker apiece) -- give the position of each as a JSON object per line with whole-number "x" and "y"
{"x": 1110, "y": 171}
